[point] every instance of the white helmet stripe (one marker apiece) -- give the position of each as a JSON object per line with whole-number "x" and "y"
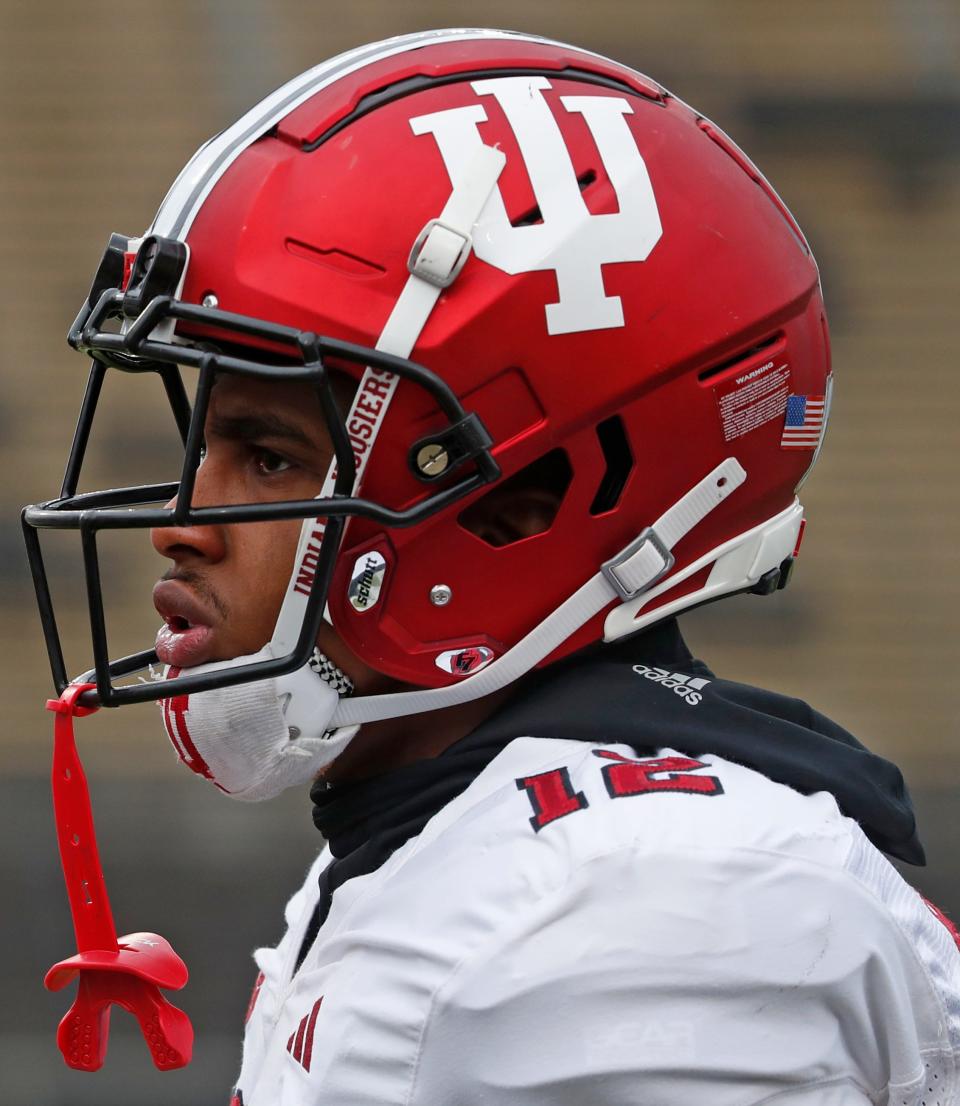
{"x": 211, "y": 161}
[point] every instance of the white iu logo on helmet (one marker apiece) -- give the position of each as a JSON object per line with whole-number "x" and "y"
{"x": 570, "y": 240}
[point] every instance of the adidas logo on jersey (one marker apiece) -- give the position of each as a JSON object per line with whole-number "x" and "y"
{"x": 689, "y": 688}
{"x": 300, "y": 1045}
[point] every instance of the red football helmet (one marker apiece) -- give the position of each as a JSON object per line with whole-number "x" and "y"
{"x": 536, "y": 263}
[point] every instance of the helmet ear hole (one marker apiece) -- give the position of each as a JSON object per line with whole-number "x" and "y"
{"x": 523, "y": 505}
{"x": 619, "y": 461}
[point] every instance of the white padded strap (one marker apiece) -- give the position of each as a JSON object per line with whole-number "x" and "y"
{"x": 434, "y": 263}
{"x": 637, "y": 567}
{"x": 433, "y": 266}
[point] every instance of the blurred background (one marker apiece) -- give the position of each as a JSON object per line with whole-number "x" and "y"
{"x": 852, "y": 110}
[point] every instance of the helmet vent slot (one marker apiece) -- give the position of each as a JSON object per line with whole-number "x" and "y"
{"x": 523, "y": 505}
{"x": 738, "y": 362}
{"x": 534, "y": 215}
{"x": 619, "y": 461}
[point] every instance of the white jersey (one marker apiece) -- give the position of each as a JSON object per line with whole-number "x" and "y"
{"x": 581, "y": 927}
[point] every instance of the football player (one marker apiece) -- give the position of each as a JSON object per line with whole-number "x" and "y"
{"x": 505, "y": 356}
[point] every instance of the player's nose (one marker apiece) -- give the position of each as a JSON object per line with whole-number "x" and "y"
{"x": 188, "y": 542}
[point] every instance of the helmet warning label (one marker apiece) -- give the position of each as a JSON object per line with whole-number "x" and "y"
{"x": 755, "y": 397}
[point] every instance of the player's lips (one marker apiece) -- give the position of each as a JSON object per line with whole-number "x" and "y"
{"x": 186, "y": 637}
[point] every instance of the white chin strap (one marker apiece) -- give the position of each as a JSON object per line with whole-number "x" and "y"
{"x": 625, "y": 578}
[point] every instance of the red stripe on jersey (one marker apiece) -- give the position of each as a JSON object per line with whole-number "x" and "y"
{"x": 944, "y": 920}
{"x": 311, "y": 1025}
{"x": 257, "y": 984}
{"x": 298, "y": 1047}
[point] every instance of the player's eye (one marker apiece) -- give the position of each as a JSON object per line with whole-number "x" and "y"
{"x": 269, "y": 463}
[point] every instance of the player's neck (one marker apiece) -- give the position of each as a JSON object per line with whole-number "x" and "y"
{"x": 382, "y": 747}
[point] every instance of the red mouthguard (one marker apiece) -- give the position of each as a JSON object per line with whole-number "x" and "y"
{"x": 128, "y": 971}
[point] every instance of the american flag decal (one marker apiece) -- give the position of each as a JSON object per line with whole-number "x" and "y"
{"x": 300, "y": 1045}
{"x": 804, "y": 422}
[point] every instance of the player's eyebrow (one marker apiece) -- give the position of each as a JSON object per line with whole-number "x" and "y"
{"x": 255, "y": 428}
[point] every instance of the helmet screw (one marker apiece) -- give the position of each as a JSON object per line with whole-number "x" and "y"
{"x": 210, "y": 300}
{"x": 440, "y": 595}
{"x": 432, "y": 459}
